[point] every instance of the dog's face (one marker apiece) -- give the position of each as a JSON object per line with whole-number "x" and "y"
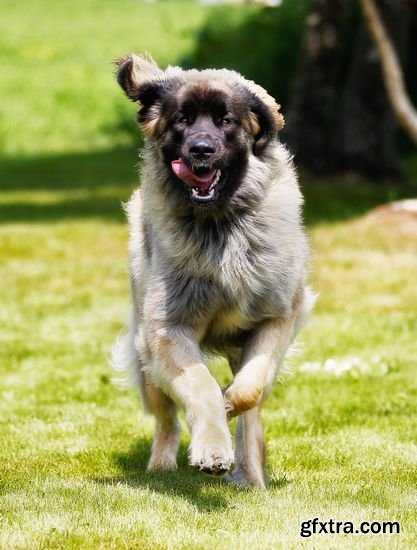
{"x": 206, "y": 124}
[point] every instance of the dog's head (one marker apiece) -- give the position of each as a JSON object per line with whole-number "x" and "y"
{"x": 205, "y": 123}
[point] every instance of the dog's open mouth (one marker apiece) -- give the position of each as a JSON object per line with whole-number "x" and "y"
{"x": 201, "y": 181}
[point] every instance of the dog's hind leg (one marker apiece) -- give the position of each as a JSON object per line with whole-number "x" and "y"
{"x": 250, "y": 451}
{"x": 250, "y": 443}
{"x": 167, "y": 427}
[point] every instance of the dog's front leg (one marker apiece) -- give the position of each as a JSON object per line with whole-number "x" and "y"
{"x": 263, "y": 354}
{"x": 177, "y": 367}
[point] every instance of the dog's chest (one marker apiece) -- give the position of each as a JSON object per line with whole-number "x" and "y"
{"x": 234, "y": 254}
{"x": 229, "y": 278}
{"x": 225, "y": 300}
{"x": 228, "y": 322}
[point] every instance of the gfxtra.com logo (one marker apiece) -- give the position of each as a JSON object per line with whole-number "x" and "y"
{"x": 333, "y": 527}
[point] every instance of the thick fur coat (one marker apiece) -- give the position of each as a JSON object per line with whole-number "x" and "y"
{"x": 219, "y": 260}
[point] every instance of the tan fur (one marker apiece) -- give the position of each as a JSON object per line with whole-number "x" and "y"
{"x": 270, "y": 102}
{"x": 150, "y": 128}
{"x": 250, "y": 451}
{"x": 167, "y": 427}
{"x": 251, "y": 124}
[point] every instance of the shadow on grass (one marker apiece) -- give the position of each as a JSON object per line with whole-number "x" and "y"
{"x": 69, "y": 186}
{"x": 91, "y": 206}
{"x": 197, "y": 488}
{"x": 92, "y": 185}
{"x": 339, "y": 199}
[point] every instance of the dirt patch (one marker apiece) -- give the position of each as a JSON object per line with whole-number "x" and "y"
{"x": 398, "y": 216}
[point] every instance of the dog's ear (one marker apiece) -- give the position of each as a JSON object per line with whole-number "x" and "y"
{"x": 143, "y": 82}
{"x": 265, "y": 120}
{"x": 134, "y": 73}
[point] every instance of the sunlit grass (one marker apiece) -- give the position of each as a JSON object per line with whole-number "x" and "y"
{"x": 341, "y": 431}
{"x": 74, "y": 448}
{"x": 57, "y": 73}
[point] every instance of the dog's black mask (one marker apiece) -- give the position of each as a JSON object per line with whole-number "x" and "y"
{"x": 204, "y": 132}
{"x": 204, "y": 144}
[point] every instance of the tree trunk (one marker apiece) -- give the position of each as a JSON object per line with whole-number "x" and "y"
{"x": 391, "y": 69}
{"x": 317, "y": 86}
{"x": 365, "y": 134}
{"x": 340, "y": 118}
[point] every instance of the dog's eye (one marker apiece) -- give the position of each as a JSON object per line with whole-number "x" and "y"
{"x": 182, "y": 119}
{"x": 225, "y": 121}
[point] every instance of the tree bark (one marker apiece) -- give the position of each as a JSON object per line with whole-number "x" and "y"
{"x": 317, "y": 86}
{"x": 364, "y": 136}
{"x": 392, "y": 71}
{"x": 340, "y": 118}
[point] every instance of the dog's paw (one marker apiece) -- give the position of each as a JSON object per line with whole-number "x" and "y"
{"x": 241, "y": 479}
{"x": 210, "y": 455}
{"x": 239, "y": 399}
{"x": 213, "y": 463}
{"x": 162, "y": 462}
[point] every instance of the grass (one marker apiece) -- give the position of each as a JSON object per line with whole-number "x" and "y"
{"x": 74, "y": 448}
{"x": 57, "y": 61}
{"x": 341, "y": 431}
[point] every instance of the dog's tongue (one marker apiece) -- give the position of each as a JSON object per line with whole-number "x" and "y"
{"x": 202, "y": 182}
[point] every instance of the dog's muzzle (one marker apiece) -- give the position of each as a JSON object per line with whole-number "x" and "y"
{"x": 202, "y": 148}
{"x": 201, "y": 181}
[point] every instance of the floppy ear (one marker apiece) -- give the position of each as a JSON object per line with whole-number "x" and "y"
{"x": 266, "y": 120}
{"x": 144, "y": 82}
{"x": 134, "y": 72}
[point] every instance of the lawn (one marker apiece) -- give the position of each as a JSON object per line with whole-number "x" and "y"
{"x": 341, "y": 430}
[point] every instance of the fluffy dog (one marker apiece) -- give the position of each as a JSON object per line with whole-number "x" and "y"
{"x": 218, "y": 260}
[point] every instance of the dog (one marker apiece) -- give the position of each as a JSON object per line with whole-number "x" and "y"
{"x": 219, "y": 261}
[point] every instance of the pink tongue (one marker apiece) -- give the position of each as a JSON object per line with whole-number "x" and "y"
{"x": 182, "y": 171}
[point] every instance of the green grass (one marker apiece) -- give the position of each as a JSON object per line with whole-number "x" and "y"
{"x": 74, "y": 448}
{"x": 57, "y": 74}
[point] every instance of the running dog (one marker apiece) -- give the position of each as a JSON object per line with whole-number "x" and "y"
{"x": 219, "y": 261}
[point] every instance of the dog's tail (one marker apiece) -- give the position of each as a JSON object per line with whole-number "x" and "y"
{"x": 125, "y": 359}
{"x": 127, "y": 362}
{"x": 309, "y": 299}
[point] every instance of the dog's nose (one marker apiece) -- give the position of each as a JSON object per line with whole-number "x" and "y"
{"x": 202, "y": 148}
